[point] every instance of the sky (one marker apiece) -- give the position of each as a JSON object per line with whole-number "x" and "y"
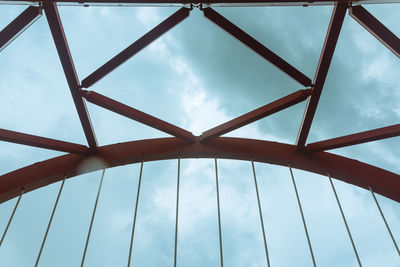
{"x": 197, "y": 76}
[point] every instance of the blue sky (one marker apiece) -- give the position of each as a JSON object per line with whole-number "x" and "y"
{"x": 196, "y": 76}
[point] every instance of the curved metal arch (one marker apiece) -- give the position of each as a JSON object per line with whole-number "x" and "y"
{"x": 345, "y": 169}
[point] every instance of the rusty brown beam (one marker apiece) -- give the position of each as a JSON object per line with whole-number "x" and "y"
{"x": 345, "y": 169}
{"x": 218, "y": 2}
{"x": 18, "y": 25}
{"x": 256, "y": 46}
{"x": 376, "y": 28}
{"x": 134, "y": 48}
{"x": 257, "y": 114}
{"x": 137, "y": 115}
{"x": 355, "y": 139}
{"x": 67, "y": 63}
{"x": 324, "y": 63}
{"x": 42, "y": 142}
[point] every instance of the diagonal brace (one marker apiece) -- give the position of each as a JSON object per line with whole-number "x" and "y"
{"x": 137, "y": 115}
{"x": 256, "y": 46}
{"x": 355, "y": 139}
{"x": 67, "y": 63}
{"x": 376, "y": 28}
{"x": 134, "y": 48}
{"x": 18, "y": 25}
{"x": 332, "y": 36}
{"x": 42, "y": 142}
{"x": 256, "y": 114}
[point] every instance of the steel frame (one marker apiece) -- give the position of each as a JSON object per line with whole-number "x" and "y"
{"x": 309, "y": 157}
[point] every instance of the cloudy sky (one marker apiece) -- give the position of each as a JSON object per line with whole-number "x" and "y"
{"x": 197, "y": 76}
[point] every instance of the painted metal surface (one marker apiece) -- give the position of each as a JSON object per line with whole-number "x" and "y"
{"x": 355, "y": 139}
{"x": 256, "y": 46}
{"x": 348, "y": 170}
{"x": 332, "y": 36}
{"x": 257, "y": 114}
{"x": 42, "y": 142}
{"x": 137, "y": 115}
{"x": 18, "y": 25}
{"x": 67, "y": 63}
{"x": 134, "y": 48}
{"x": 376, "y": 28}
{"x": 213, "y": 2}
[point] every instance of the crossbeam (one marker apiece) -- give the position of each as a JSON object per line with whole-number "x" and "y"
{"x": 42, "y": 142}
{"x": 134, "y": 48}
{"x": 256, "y": 46}
{"x": 18, "y": 25}
{"x": 137, "y": 115}
{"x": 332, "y": 36}
{"x": 67, "y": 63}
{"x": 214, "y": 2}
{"x": 257, "y": 114}
{"x": 376, "y": 28}
{"x": 355, "y": 139}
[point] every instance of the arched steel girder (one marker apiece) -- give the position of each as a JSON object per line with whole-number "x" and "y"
{"x": 345, "y": 169}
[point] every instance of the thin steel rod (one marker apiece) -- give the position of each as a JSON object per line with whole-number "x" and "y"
{"x": 176, "y": 213}
{"x": 51, "y": 219}
{"x": 11, "y": 217}
{"x": 134, "y": 216}
{"x": 91, "y": 221}
{"x": 261, "y": 216}
{"x": 384, "y": 220}
{"x": 219, "y": 215}
{"x": 302, "y": 217}
{"x": 344, "y": 220}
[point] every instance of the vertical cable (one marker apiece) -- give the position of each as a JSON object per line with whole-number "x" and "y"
{"x": 384, "y": 220}
{"x": 302, "y": 217}
{"x": 91, "y": 221}
{"x": 11, "y": 217}
{"x": 219, "y": 215}
{"x": 177, "y": 206}
{"x": 261, "y": 216}
{"x": 344, "y": 219}
{"x": 51, "y": 219}
{"x": 134, "y": 216}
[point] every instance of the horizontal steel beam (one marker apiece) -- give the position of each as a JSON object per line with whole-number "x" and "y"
{"x": 67, "y": 63}
{"x": 376, "y": 28}
{"x": 213, "y": 2}
{"x": 256, "y": 46}
{"x": 355, "y": 139}
{"x": 324, "y": 63}
{"x": 134, "y": 48}
{"x": 137, "y": 115}
{"x": 257, "y": 114}
{"x": 348, "y": 170}
{"x": 42, "y": 142}
{"x": 18, "y": 25}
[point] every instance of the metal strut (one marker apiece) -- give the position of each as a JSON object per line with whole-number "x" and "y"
{"x": 345, "y": 222}
{"x": 51, "y": 219}
{"x": 261, "y": 216}
{"x": 384, "y": 220}
{"x": 219, "y": 215}
{"x": 134, "y": 216}
{"x": 11, "y": 217}
{"x": 302, "y": 217}
{"x": 177, "y": 207}
{"x": 91, "y": 221}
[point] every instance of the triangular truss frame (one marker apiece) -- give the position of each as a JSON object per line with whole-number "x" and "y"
{"x": 310, "y": 157}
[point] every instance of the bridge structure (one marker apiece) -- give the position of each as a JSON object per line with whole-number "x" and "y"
{"x": 311, "y": 157}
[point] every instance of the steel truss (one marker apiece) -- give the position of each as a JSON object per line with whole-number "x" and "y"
{"x": 309, "y": 157}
